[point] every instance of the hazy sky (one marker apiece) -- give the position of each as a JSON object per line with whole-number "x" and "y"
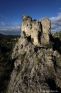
{"x": 11, "y": 12}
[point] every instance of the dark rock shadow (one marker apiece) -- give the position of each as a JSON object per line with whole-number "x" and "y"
{"x": 56, "y": 43}
{"x": 53, "y": 86}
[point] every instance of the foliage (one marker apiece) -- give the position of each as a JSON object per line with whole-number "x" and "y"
{"x": 49, "y": 45}
{"x": 57, "y": 35}
{"x": 38, "y": 60}
{"x": 60, "y": 34}
{"x": 56, "y": 38}
{"x": 51, "y": 72}
{"x": 22, "y": 54}
{"x": 7, "y": 42}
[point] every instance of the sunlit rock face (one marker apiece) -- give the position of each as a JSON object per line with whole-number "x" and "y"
{"x": 36, "y": 69}
{"x": 46, "y": 30}
{"x": 38, "y": 30}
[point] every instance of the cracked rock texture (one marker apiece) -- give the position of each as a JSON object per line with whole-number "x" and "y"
{"x": 36, "y": 69}
{"x": 38, "y": 30}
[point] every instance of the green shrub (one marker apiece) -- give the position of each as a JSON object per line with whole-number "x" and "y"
{"x": 51, "y": 72}
{"x": 7, "y": 42}
{"x": 23, "y": 54}
{"x": 48, "y": 45}
{"x": 38, "y": 60}
{"x": 60, "y": 34}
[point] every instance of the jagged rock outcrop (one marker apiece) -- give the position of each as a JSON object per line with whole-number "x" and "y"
{"x": 35, "y": 66}
{"x": 46, "y": 30}
{"x": 38, "y": 30}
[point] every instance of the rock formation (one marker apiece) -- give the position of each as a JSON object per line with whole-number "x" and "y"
{"x": 46, "y": 30}
{"x": 35, "y": 66}
{"x": 38, "y": 30}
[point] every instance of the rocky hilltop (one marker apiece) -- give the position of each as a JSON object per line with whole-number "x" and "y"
{"x": 39, "y": 31}
{"x": 37, "y": 67}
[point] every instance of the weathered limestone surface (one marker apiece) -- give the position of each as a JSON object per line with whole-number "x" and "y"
{"x": 46, "y": 30}
{"x": 38, "y": 30}
{"x": 31, "y": 28}
{"x": 36, "y": 69}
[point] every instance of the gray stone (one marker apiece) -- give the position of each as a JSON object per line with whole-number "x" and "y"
{"x": 34, "y": 66}
{"x": 46, "y": 30}
{"x": 38, "y": 30}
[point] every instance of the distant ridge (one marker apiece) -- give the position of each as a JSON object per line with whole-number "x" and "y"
{"x": 1, "y": 34}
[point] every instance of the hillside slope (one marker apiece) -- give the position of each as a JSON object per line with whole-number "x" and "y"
{"x": 7, "y": 42}
{"x": 37, "y": 68}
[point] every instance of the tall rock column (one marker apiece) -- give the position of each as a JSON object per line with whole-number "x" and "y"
{"x": 36, "y": 29}
{"x": 39, "y": 31}
{"x": 31, "y": 28}
{"x": 46, "y": 30}
{"x": 26, "y": 24}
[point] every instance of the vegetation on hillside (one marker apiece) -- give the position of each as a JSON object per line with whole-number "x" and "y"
{"x": 56, "y": 39}
{"x": 7, "y": 42}
{"x": 57, "y": 35}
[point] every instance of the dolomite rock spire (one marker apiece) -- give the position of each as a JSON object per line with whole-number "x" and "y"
{"x": 39, "y": 31}
{"x": 36, "y": 69}
{"x": 46, "y": 30}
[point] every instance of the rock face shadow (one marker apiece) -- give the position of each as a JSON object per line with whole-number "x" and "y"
{"x": 56, "y": 43}
{"x": 51, "y": 84}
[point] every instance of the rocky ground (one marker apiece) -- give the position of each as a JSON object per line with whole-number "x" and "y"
{"x": 36, "y": 69}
